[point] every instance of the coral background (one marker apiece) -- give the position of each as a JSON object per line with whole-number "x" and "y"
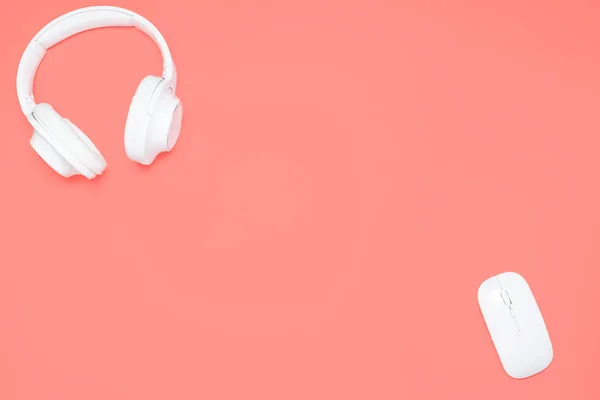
{"x": 347, "y": 174}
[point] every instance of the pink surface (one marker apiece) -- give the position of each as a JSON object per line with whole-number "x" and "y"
{"x": 346, "y": 177}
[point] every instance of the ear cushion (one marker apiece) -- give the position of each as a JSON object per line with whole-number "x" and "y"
{"x": 74, "y": 143}
{"x": 138, "y": 119}
{"x": 51, "y": 156}
{"x": 165, "y": 125}
{"x": 97, "y": 162}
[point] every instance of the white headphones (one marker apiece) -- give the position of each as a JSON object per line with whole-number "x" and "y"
{"x": 154, "y": 119}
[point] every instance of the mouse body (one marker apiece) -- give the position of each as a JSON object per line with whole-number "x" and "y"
{"x": 515, "y": 324}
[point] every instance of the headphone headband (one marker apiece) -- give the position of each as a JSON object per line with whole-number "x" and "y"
{"x": 71, "y": 24}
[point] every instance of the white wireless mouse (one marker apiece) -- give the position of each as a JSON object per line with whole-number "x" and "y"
{"x": 515, "y": 324}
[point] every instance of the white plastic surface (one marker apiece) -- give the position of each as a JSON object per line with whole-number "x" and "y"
{"x": 52, "y": 149}
{"x": 138, "y": 119}
{"x": 76, "y": 22}
{"x": 152, "y": 129}
{"x": 154, "y": 119}
{"x": 51, "y": 156}
{"x": 515, "y": 324}
{"x": 91, "y": 156}
{"x": 68, "y": 141}
{"x": 164, "y": 127}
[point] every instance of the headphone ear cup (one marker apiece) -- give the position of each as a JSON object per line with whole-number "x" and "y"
{"x": 64, "y": 146}
{"x": 51, "y": 156}
{"x": 138, "y": 119}
{"x": 94, "y": 159}
{"x": 165, "y": 125}
{"x": 154, "y": 121}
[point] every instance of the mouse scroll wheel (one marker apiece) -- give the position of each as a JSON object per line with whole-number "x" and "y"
{"x": 506, "y": 298}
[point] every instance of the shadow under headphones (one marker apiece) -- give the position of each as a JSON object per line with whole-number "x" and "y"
{"x": 154, "y": 118}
